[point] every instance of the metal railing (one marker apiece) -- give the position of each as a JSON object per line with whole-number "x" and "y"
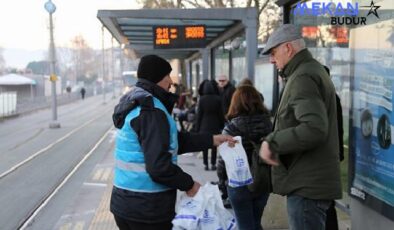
{"x": 8, "y": 102}
{"x": 12, "y": 105}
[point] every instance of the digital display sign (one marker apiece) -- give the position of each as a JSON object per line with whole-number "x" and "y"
{"x": 172, "y": 37}
{"x": 338, "y": 35}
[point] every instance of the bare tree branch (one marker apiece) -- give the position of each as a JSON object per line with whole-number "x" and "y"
{"x": 262, "y": 7}
{"x": 219, "y": 3}
{"x": 229, "y": 3}
{"x": 209, "y": 3}
{"x": 178, "y": 3}
{"x": 84, "y": 62}
{"x": 191, "y": 2}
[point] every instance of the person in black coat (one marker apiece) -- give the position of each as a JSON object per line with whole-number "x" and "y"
{"x": 226, "y": 90}
{"x": 210, "y": 117}
{"x": 83, "y": 91}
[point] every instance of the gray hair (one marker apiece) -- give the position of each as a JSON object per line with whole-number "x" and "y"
{"x": 298, "y": 44}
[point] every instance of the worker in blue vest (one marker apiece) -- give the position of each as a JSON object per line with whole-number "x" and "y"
{"x": 147, "y": 144}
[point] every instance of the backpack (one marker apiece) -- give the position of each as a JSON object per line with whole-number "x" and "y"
{"x": 261, "y": 172}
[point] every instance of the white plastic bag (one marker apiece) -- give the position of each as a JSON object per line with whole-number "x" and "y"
{"x": 204, "y": 211}
{"x": 189, "y": 210}
{"x": 215, "y": 216}
{"x": 236, "y": 161}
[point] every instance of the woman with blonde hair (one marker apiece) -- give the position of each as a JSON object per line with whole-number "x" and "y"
{"x": 250, "y": 119}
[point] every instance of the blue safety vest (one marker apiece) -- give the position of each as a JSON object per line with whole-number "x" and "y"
{"x": 130, "y": 170}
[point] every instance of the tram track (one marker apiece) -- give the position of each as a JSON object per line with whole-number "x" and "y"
{"x": 39, "y": 163}
{"x": 47, "y": 198}
{"x": 48, "y": 147}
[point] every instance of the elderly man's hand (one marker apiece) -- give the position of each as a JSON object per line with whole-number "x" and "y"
{"x": 266, "y": 154}
{"x": 219, "y": 139}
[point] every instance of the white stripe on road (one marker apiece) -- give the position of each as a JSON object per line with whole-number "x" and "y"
{"x": 95, "y": 184}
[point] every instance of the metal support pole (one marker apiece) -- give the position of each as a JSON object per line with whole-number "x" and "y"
{"x": 103, "y": 53}
{"x": 213, "y": 64}
{"x": 205, "y": 63}
{"x": 121, "y": 64}
{"x": 188, "y": 66}
{"x": 251, "y": 46}
{"x": 113, "y": 68}
{"x": 54, "y": 123}
{"x": 230, "y": 65}
{"x": 31, "y": 92}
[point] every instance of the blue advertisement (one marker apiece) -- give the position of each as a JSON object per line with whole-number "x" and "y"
{"x": 372, "y": 128}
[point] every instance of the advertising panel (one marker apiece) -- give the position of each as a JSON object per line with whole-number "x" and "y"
{"x": 372, "y": 141}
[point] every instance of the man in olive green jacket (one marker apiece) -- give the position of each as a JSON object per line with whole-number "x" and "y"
{"x": 303, "y": 148}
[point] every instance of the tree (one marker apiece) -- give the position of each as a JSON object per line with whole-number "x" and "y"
{"x": 2, "y": 62}
{"x": 268, "y": 12}
{"x": 270, "y": 18}
{"x": 39, "y": 67}
{"x": 83, "y": 60}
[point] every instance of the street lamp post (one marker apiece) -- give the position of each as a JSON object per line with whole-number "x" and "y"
{"x": 103, "y": 51}
{"x": 51, "y": 8}
{"x": 113, "y": 68}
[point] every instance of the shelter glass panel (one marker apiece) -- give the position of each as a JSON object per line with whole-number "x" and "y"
{"x": 222, "y": 66}
{"x": 264, "y": 81}
{"x": 239, "y": 66}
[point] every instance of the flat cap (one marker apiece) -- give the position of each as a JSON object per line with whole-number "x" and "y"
{"x": 285, "y": 33}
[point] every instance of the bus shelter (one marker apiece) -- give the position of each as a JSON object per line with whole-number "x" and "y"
{"x": 184, "y": 34}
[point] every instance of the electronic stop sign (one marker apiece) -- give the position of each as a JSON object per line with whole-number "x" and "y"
{"x": 172, "y": 37}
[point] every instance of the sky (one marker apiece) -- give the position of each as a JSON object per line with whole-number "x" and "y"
{"x": 24, "y": 23}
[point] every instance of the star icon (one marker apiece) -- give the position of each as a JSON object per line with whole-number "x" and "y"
{"x": 373, "y": 9}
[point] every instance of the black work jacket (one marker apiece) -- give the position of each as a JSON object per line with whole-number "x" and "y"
{"x": 152, "y": 129}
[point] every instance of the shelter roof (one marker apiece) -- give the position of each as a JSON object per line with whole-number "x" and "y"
{"x": 15, "y": 79}
{"x": 134, "y": 28}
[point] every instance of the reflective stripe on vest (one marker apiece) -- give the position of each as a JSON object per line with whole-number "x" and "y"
{"x": 130, "y": 169}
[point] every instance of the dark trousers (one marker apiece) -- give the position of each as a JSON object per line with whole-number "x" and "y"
{"x": 124, "y": 224}
{"x": 307, "y": 214}
{"x": 213, "y": 156}
{"x": 331, "y": 219}
{"x": 247, "y": 208}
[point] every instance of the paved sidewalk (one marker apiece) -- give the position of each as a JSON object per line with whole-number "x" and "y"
{"x": 101, "y": 219}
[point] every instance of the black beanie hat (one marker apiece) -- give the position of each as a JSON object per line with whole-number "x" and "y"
{"x": 153, "y": 68}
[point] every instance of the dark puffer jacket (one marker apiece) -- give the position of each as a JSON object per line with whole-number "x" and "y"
{"x": 210, "y": 117}
{"x": 305, "y": 136}
{"x": 249, "y": 127}
{"x": 226, "y": 95}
